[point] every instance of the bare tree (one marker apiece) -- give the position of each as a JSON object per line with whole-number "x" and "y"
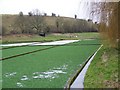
{"x": 53, "y": 15}
{"x": 45, "y": 14}
{"x": 37, "y": 21}
{"x": 20, "y": 22}
{"x": 75, "y": 16}
{"x": 59, "y": 24}
{"x": 30, "y": 13}
{"x": 21, "y": 13}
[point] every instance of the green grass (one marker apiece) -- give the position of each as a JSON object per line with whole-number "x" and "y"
{"x": 29, "y": 38}
{"x": 20, "y": 50}
{"x": 103, "y": 71}
{"x": 87, "y": 42}
{"x": 23, "y": 49}
{"x": 50, "y": 37}
{"x": 69, "y": 56}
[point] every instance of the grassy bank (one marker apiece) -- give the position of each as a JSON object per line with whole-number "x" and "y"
{"x": 103, "y": 71}
{"x": 49, "y": 37}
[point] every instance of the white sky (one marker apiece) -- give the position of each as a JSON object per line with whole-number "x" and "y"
{"x": 66, "y": 8}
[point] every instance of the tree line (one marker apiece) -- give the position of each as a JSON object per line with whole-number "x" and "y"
{"x": 35, "y": 23}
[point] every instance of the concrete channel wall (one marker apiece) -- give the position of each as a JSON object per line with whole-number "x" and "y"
{"x": 78, "y": 83}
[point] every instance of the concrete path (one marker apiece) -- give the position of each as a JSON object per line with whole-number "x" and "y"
{"x": 62, "y": 42}
{"x": 57, "y": 42}
{"x": 16, "y": 44}
{"x": 79, "y": 81}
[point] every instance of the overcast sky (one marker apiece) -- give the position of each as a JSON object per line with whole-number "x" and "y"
{"x": 66, "y": 8}
{"x": 62, "y": 7}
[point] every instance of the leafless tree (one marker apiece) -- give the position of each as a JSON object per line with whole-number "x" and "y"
{"x": 20, "y": 22}
{"x": 30, "y": 13}
{"x": 37, "y": 21}
{"x": 75, "y": 16}
{"x": 21, "y": 13}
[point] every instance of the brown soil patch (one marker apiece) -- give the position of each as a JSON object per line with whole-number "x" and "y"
{"x": 111, "y": 84}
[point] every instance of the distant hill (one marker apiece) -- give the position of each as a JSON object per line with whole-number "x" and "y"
{"x": 14, "y": 24}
